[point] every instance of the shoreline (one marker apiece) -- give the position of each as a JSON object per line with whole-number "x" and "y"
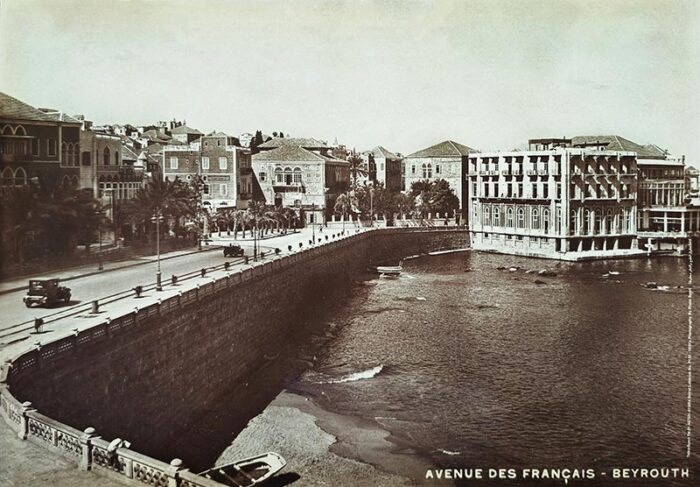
{"x": 326, "y": 448}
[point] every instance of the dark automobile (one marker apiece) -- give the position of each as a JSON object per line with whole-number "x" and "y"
{"x": 46, "y": 292}
{"x": 233, "y": 250}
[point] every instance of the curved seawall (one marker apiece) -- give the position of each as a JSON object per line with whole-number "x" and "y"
{"x": 144, "y": 375}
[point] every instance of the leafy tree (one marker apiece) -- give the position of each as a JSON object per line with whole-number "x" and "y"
{"x": 434, "y": 197}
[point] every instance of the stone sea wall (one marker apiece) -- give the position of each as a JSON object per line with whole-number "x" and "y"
{"x": 145, "y": 375}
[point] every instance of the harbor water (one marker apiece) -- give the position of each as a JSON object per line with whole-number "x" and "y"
{"x": 474, "y": 360}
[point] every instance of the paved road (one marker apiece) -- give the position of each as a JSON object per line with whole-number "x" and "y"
{"x": 86, "y": 289}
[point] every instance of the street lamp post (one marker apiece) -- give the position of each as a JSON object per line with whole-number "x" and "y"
{"x": 157, "y": 217}
{"x": 371, "y": 207}
{"x": 313, "y": 222}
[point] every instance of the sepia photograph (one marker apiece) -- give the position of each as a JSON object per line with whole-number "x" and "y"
{"x": 320, "y": 243}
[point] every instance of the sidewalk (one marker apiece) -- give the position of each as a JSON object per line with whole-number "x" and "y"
{"x": 16, "y": 284}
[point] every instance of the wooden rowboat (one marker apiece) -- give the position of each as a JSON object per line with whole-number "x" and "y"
{"x": 246, "y": 472}
{"x": 389, "y": 270}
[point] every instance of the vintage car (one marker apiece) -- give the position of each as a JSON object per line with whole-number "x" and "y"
{"x": 233, "y": 250}
{"x": 46, "y": 292}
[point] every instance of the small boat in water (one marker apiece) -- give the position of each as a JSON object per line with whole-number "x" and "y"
{"x": 250, "y": 471}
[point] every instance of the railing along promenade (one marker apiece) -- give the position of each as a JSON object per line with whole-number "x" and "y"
{"x": 86, "y": 447}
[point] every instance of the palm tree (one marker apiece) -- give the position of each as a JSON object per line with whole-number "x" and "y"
{"x": 344, "y": 203}
{"x": 173, "y": 199}
{"x": 357, "y": 168}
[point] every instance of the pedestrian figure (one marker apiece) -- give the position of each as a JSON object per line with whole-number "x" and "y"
{"x": 112, "y": 457}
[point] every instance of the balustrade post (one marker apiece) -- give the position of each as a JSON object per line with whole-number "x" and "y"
{"x": 172, "y": 472}
{"x": 128, "y": 468}
{"x": 24, "y": 420}
{"x": 86, "y": 448}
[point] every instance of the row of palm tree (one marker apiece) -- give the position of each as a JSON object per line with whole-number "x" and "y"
{"x": 256, "y": 218}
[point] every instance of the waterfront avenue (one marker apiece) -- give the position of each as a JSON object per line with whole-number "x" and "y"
{"x": 87, "y": 284}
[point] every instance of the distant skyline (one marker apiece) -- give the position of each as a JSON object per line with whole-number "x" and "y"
{"x": 489, "y": 74}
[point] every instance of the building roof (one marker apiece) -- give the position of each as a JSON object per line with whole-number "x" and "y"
{"x": 184, "y": 129}
{"x": 128, "y": 154}
{"x": 617, "y": 143}
{"x": 447, "y": 148}
{"x": 153, "y": 134}
{"x": 13, "y": 108}
{"x": 292, "y": 153}
{"x": 307, "y": 143}
{"x": 218, "y": 134}
{"x": 380, "y": 151}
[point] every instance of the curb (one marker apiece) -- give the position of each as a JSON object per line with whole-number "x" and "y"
{"x": 95, "y": 272}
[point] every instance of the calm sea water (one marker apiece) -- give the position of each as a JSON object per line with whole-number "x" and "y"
{"x": 476, "y": 366}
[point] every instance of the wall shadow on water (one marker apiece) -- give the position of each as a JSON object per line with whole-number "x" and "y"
{"x": 200, "y": 442}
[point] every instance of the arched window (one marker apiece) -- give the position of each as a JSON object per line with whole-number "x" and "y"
{"x": 297, "y": 175}
{"x": 487, "y": 216}
{"x": 597, "y": 223}
{"x": 20, "y": 177}
{"x": 535, "y": 219}
{"x": 65, "y": 182}
{"x": 608, "y": 221}
{"x": 509, "y": 217}
{"x": 496, "y": 217}
{"x": 116, "y": 157}
{"x": 587, "y": 221}
{"x": 6, "y": 130}
{"x": 573, "y": 223}
{"x": 288, "y": 175}
{"x": 64, "y": 153}
{"x": 425, "y": 170}
{"x": 105, "y": 156}
{"x": 430, "y": 171}
{"x": 74, "y": 182}
{"x": 521, "y": 218}
{"x": 545, "y": 221}
{"x": 19, "y": 130}
{"x": 7, "y": 177}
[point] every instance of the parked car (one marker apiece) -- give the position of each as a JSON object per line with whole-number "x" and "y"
{"x": 46, "y": 292}
{"x": 233, "y": 250}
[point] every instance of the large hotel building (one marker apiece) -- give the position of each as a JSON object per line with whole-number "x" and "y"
{"x": 555, "y": 201}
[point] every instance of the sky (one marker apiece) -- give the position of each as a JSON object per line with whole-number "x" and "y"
{"x": 405, "y": 74}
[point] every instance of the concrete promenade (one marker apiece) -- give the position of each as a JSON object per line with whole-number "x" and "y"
{"x": 25, "y": 463}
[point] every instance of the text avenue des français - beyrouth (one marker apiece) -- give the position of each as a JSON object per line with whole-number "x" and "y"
{"x": 616, "y": 473}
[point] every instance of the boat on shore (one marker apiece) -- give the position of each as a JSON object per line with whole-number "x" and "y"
{"x": 387, "y": 270}
{"x": 249, "y": 471}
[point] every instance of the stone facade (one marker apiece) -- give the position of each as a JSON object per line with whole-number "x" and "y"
{"x": 37, "y": 144}
{"x": 224, "y": 168}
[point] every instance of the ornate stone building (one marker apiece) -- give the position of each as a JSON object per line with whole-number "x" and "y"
{"x": 37, "y": 144}
{"x": 301, "y": 174}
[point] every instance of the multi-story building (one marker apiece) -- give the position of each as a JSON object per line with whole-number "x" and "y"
{"x": 446, "y": 160}
{"x": 224, "y": 168}
{"x": 557, "y": 202}
{"x": 301, "y": 174}
{"x": 37, "y": 144}
{"x": 384, "y": 167}
{"x": 669, "y": 213}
